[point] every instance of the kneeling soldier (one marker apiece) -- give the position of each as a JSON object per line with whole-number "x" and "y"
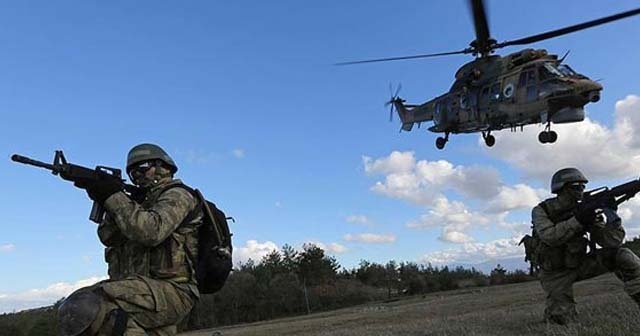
{"x": 562, "y": 251}
{"x": 150, "y": 240}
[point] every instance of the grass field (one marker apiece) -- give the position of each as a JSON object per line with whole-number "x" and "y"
{"x": 514, "y": 309}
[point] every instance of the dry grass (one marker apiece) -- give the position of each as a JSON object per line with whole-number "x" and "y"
{"x": 501, "y": 310}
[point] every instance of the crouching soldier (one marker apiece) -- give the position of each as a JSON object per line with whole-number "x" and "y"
{"x": 150, "y": 240}
{"x": 562, "y": 248}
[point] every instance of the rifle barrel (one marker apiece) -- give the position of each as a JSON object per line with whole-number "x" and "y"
{"x": 32, "y": 162}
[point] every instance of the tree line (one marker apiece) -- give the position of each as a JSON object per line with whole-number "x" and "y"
{"x": 293, "y": 282}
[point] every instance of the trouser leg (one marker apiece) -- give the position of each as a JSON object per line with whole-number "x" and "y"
{"x": 558, "y": 286}
{"x": 627, "y": 268}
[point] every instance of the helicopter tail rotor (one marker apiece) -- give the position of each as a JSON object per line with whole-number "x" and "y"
{"x": 393, "y": 100}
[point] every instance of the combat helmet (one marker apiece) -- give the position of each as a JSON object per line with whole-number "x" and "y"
{"x": 146, "y": 152}
{"x": 564, "y": 176}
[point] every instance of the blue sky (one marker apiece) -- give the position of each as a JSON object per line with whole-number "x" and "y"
{"x": 245, "y": 98}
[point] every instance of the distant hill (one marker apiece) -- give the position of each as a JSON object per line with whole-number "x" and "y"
{"x": 509, "y": 264}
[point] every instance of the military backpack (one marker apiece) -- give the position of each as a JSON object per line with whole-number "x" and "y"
{"x": 213, "y": 262}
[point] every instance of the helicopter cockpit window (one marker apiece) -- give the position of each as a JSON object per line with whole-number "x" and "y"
{"x": 549, "y": 70}
{"x": 566, "y": 70}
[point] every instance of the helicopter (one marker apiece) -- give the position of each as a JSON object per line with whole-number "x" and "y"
{"x": 495, "y": 92}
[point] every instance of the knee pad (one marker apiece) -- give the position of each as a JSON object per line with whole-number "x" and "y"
{"x": 78, "y": 312}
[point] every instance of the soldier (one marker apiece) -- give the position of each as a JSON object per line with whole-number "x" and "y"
{"x": 562, "y": 251}
{"x": 150, "y": 242}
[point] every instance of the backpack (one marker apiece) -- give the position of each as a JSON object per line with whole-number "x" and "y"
{"x": 213, "y": 262}
{"x": 214, "y": 248}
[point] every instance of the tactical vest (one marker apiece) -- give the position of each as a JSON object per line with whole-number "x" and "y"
{"x": 568, "y": 255}
{"x": 169, "y": 260}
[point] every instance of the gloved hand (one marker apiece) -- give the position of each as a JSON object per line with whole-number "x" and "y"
{"x": 100, "y": 190}
{"x": 586, "y": 217}
{"x": 611, "y": 204}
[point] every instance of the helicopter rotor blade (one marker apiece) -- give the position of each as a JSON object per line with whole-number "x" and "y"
{"x": 567, "y": 30}
{"x": 398, "y": 90}
{"x": 480, "y": 24}
{"x": 464, "y": 51}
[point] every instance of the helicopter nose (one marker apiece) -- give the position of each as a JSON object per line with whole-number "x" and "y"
{"x": 590, "y": 90}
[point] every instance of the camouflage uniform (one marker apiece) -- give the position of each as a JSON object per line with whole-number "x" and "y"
{"x": 564, "y": 259}
{"x": 149, "y": 245}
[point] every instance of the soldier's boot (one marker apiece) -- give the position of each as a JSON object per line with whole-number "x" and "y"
{"x": 568, "y": 316}
{"x": 561, "y": 319}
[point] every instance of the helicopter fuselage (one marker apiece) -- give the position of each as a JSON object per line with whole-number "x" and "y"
{"x": 494, "y": 93}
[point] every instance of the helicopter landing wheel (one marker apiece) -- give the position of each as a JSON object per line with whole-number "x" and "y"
{"x": 542, "y": 137}
{"x": 490, "y": 140}
{"x": 547, "y": 137}
{"x": 440, "y": 142}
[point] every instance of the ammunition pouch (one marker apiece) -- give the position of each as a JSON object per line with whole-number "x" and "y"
{"x": 531, "y": 246}
{"x": 575, "y": 252}
{"x": 569, "y": 255}
{"x": 551, "y": 257}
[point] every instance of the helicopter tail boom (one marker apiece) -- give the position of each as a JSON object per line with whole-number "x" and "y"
{"x": 411, "y": 114}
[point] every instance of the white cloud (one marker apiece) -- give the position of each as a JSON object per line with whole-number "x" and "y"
{"x": 456, "y": 237}
{"x": 422, "y": 181}
{"x": 253, "y": 250}
{"x": 7, "y": 248}
{"x": 370, "y": 238}
{"x": 476, "y": 252}
{"x": 43, "y": 296}
{"x": 86, "y": 259}
{"x": 449, "y": 214}
{"x": 425, "y": 182}
{"x": 630, "y": 214}
{"x": 516, "y": 197}
{"x": 238, "y": 153}
{"x": 397, "y": 162}
{"x": 454, "y": 218}
{"x": 359, "y": 219}
{"x": 331, "y": 247}
{"x": 600, "y": 152}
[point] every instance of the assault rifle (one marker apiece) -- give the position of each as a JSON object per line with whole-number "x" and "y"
{"x": 82, "y": 177}
{"x": 603, "y": 197}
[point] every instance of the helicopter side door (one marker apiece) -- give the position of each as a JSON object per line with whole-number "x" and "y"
{"x": 467, "y": 105}
{"x": 441, "y": 113}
